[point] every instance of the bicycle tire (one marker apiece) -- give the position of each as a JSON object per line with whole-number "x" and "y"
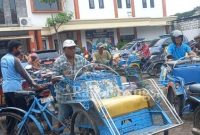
{"x": 15, "y": 118}
{"x": 94, "y": 131}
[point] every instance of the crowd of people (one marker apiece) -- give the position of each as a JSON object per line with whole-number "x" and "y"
{"x": 66, "y": 65}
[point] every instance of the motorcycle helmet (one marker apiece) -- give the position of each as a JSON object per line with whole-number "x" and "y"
{"x": 175, "y": 34}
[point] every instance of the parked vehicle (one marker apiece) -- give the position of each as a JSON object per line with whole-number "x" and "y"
{"x": 101, "y": 105}
{"x": 182, "y": 80}
{"x": 128, "y": 48}
{"x": 47, "y": 56}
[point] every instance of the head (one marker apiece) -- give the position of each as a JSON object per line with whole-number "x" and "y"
{"x": 15, "y": 47}
{"x": 69, "y": 48}
{"x": 100, "y": 47}
{"x": 177, "y": 37}
{"x": 34, "y": 56}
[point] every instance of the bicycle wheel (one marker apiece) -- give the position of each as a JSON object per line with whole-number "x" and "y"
{"x": 83, "y": 127}
{"x": 9, "y": 122}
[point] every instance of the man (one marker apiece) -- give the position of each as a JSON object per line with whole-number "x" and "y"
{"x": 34, "y": 61}
{"x": 12, "y": 73}
{"x": 67, "y": 65}
{"x": 102, "y": 56}
{"x": 178, "y": 49}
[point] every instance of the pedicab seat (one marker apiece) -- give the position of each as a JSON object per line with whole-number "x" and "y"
{"x": 195, "y": 88}
{"x": 121, "y": 105}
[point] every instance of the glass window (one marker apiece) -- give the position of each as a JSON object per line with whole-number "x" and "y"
{"x": 101, "y": 4}
{"x": 13, "y": 12}
{"x": 144, "y": 3}
{"x": 91, "y": 4}
{"x": 39, "y": 6}
{"x": 119, "y": 3}
{"x": 128, "y": 3}
{"x": 2, "y": 18}
{"x": 152, "y": 3}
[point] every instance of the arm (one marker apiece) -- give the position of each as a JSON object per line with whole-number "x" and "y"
{"x": 23, "y": 72}
{"x": 190, "y": 52}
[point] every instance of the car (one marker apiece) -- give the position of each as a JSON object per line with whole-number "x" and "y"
{"x": 47, "y": 55}
{"x": 163, "y": 42}
{"x": 128, "y": 48}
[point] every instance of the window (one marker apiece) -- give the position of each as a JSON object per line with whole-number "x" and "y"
{"x": 101, "y": 4}
{"x": 144, "y": 3}
{"x": 119, "y": 3}
{"x": 152, "y": 3}
{"x": 13, "y": 12}
{"x": 2, "y": 18}
{"x": 91, "y": 4}
{"x": 128, "y": 3}
{"x": 39, "y": 6}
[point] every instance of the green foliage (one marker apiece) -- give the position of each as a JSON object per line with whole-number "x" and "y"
{"x": 121, "y": 44}
{"x": 59, "y": 19}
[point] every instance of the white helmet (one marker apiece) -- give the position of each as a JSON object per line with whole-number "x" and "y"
{"x": 68, "y": 43}
{"x": 175, "y": 34}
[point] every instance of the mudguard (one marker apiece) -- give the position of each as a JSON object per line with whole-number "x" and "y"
{"x": 22, "y": 113}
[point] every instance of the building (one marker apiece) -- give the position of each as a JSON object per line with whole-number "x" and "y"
{"x": 190, "y": 25}
{"x": 11, "y": 12}
{"x": 94, "y": 20}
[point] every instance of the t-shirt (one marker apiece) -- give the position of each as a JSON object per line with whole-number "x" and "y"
{"x": 103, "y": 58}
{"x": 12, "y": 80}
{"x": 178, "y": 52}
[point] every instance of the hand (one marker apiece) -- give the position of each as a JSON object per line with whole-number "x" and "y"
{"x": 38, "y": 87}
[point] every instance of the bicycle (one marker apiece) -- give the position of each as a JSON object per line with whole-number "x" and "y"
{"x": 38, "y": 118}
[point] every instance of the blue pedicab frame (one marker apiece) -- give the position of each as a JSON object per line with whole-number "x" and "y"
{"x": 177, "y": 76}
{"x": 145, "y": 121}
{"x": 88, "y": 98}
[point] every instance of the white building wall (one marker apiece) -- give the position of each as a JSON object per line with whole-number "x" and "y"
{"x": 148, "y": 12}
{"x": 126, "y": 31}
{"x": 190, "y": 34}
{"x": 124, "y": 12}
{"x": 96, "y": 13}
{"x": 150, "y": 33}
{"x": 39, "y": 19}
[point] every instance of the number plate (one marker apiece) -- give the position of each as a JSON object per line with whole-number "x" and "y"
{"x": 47, "y": 99}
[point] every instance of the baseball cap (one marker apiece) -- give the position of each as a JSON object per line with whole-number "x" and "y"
{"x": 68, "y": 43}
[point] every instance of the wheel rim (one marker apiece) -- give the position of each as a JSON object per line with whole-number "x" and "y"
{"x": 79, "y": 128}
{"x": 9, "y": 123}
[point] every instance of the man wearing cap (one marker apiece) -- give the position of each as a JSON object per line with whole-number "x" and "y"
{"x": 67, "y": 65}
{"x": 102, "y": 56}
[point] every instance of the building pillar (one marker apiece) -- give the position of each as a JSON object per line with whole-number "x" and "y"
{"x": 50, "y": 42}
{"x": 115, "y": 8}
{"x": 118, "y": 35}
{"x": 39, "y": 40}
{"x": 133, "y": 8}
{"x": 164, "y": 8}
{"x": 31, "y": 42}
{"x": 167, "y": 29}
{"x": 76, "y": 8}
{"x": 135, "y": 32}
{"x": 78, "y": 34}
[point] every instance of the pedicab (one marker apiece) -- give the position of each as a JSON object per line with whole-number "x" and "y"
{"x": 182, "y": 81}
{"x": 103, "y": 105}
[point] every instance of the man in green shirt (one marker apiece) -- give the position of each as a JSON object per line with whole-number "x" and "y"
{"x": 102, "y": 56}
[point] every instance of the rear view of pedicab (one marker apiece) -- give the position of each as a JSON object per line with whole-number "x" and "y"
{"x": 103, "y": 105}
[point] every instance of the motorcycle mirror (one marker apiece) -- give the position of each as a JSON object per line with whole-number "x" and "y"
{"x": 28, "y": 67}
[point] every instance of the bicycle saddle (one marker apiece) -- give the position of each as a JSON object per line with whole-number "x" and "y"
{"x": 195, "y": 88}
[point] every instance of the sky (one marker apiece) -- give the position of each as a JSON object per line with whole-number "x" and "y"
{"x": 179, "y": 6}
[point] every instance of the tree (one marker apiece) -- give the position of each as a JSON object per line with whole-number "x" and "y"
{"x": 57, "y": 20}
